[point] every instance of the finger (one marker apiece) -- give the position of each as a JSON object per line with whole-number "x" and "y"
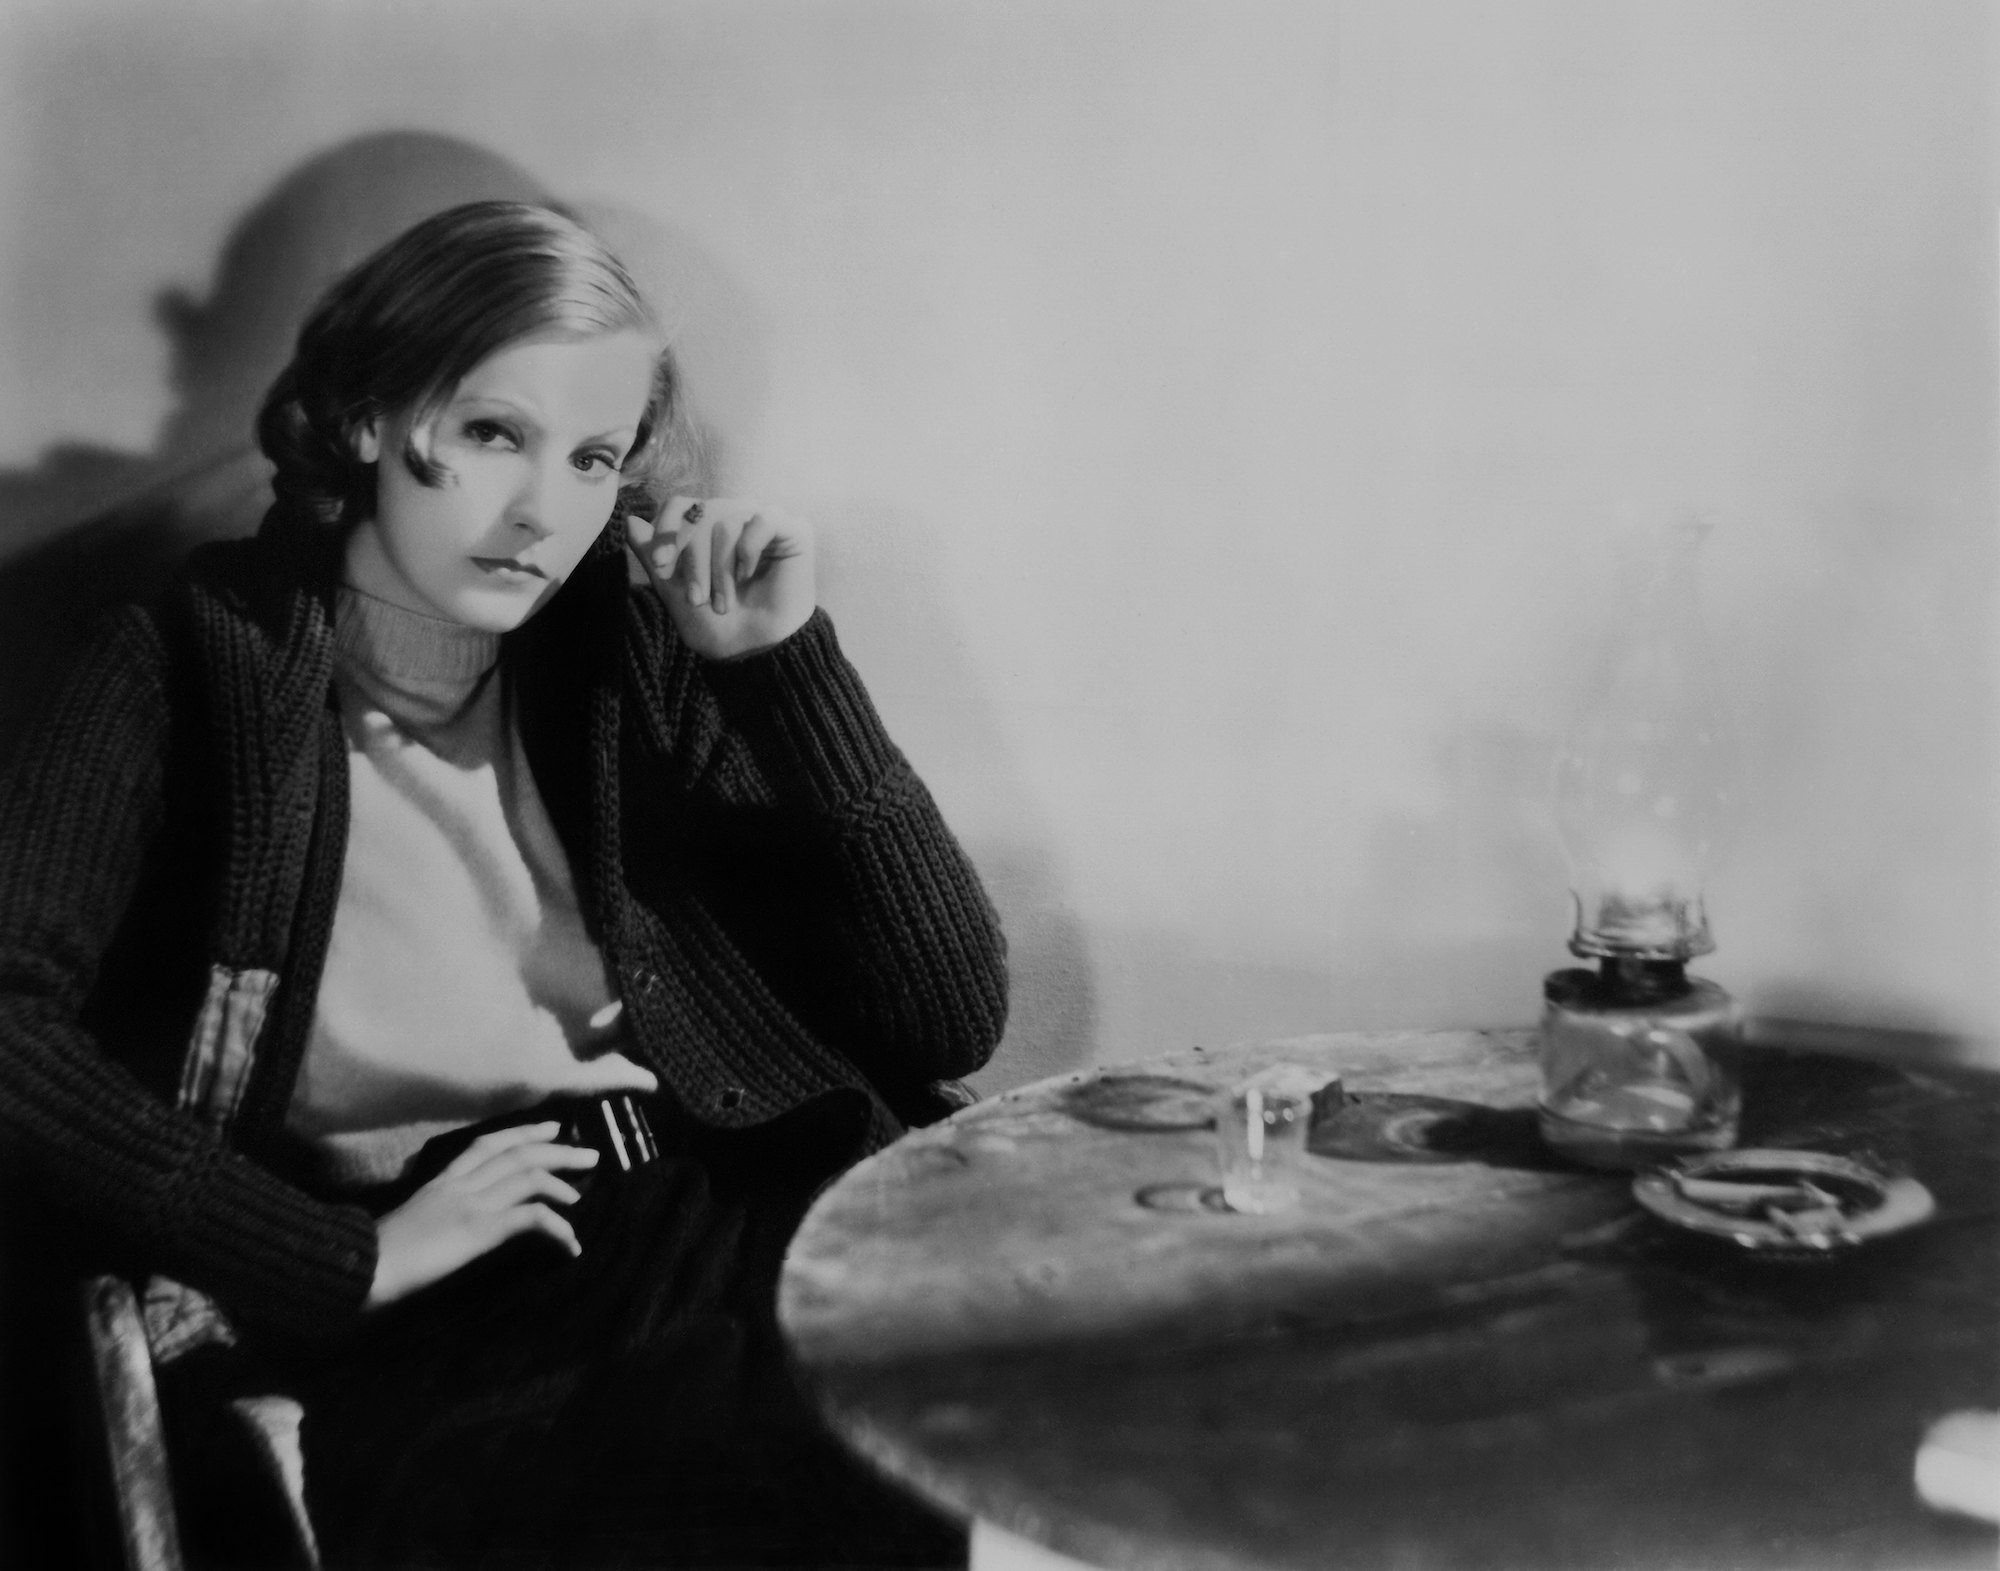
{"x": 664, "y": 555}
{"x": 638, "y": 543}
{"x": 535, "y": 1184}
{"x": 495, "y": 1143}
{"x": 722, "y": 541}
{"x": 534, "y": 1217}
{"x": 658, "y": 544}
{"x": 757, "y": 537}
{"x": 548, "y": 1156}
{"x": 609, "y": 1074}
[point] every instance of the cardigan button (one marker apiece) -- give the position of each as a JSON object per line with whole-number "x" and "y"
{"x": 647, "y": 982}
{"x": 729, "y": 1098}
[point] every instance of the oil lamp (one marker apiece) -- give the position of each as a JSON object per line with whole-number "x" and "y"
{"x": 1639, "y": 1059}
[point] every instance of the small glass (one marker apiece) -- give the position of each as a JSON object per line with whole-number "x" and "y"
{"x": 1260, "y": 1127}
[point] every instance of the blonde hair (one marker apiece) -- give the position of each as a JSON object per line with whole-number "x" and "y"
{"x": 398, "y": 332}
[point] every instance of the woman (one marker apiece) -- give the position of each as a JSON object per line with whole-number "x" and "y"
{"x": 396, "y": 845}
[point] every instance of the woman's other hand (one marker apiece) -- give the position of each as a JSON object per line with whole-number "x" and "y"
{"x": 736, "y": 577}
{"x": 500, "y": 1186}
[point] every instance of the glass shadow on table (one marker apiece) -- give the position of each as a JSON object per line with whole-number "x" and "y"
{"x": 1790, "y": 1100}
{"x": 1359, "y": 1126}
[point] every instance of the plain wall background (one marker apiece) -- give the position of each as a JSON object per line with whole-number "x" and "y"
{"x": 1216, "y": 416}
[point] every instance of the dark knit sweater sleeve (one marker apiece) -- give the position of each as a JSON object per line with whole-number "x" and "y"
{"x": 80, "y": 810}
{"x": 900, "y": 947}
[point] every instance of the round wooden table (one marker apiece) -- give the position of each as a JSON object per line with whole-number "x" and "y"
{"x": 1455, "y": 1353}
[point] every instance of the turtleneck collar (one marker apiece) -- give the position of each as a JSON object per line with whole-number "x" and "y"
{"x": 421, "y": 670}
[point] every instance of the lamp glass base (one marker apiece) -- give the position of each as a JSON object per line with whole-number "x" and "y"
{"x": 1639, "y": 1065}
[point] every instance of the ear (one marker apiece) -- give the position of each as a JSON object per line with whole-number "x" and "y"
{"x": 366, "y": 439}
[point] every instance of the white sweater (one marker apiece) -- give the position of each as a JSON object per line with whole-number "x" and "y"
{"x": 459, "y": 980}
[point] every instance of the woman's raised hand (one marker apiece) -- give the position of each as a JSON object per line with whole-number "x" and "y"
{"x": 736, "y": 577}
{"x": 500, "y": 1185}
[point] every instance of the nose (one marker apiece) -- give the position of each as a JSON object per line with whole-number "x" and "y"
{"x": 531, "y": 508}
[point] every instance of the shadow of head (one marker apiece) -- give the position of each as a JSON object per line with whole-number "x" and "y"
{"x": 94, "y": 528}
{"x": 322, "y": 219}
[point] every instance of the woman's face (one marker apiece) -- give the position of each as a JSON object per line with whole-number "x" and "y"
{"x": 530, "y": 444}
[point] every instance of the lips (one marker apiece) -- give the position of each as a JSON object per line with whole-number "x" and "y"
{"x": 508, "y": 564}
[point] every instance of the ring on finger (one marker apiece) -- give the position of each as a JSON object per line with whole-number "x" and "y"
{"x": 693, "y": 513}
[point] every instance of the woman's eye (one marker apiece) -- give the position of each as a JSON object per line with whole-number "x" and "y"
{"x": 487, "y": 433}
{"x": 596, "y": 462}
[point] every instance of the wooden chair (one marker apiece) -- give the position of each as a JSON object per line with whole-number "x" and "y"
{"x": 135, "y": 1432}
{"x": 136, "y": 1443}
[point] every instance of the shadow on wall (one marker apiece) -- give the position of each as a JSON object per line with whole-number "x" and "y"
{"x": 883, "y": 579}
{"x": 711, "y": 321}
{"x": 89, "y": 527}
{"x": 880, "y": 576}
{"x": 1052, "y": 1005}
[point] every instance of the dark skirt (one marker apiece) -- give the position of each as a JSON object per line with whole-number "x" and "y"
{"x": 633, "y": 1407}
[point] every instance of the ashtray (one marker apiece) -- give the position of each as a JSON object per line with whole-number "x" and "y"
{"x": 1795, "y": 1205}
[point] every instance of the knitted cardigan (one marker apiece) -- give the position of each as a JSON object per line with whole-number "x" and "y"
{"x": 779, "y": 904}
